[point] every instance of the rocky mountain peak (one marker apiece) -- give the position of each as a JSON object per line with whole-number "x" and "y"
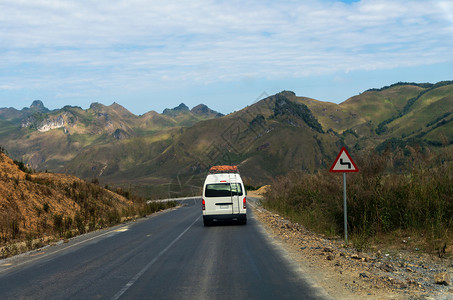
{"x": 287, "y": 93}
{"x": 96, "y": 106}
{"x": 205, "y": 111}
{"x": 120, "y": 110}
{"x": 37, "y": 104}
{"x": 181, "y": 108}
{"x": 291, "y": 112}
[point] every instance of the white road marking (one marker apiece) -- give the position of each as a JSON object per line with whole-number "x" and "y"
{"x": 142, "y": 271}
{"x": 44, "y": 254}
{"x": 122, "y": 229}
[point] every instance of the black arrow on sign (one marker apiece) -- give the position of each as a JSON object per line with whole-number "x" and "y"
{"x": 345, "y": 163}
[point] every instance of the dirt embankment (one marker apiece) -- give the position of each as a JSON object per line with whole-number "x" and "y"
{"x": 347, "y": 274}
{"x": 34, "y": 206}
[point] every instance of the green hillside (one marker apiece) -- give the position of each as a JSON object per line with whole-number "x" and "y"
{"x": 427, "y": 118}
{"x": 53, "y": 140}
{"x": 169, "y": 153}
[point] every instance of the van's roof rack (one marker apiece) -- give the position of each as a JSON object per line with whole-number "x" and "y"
{"x": 223, "y": 169}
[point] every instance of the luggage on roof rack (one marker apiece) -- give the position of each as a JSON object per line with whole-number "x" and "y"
{"x": 223, "y": 169}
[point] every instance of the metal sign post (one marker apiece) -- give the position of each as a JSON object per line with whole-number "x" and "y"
{"x": 345, "y": 208}
{"x": 344, "y": 163}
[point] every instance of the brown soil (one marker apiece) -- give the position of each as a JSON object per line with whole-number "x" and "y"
{"x": 29, "y": 202}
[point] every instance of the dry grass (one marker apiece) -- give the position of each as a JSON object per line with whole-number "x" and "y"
{"x": 393, "y": 195}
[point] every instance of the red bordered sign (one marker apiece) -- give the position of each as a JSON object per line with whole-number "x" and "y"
{"x": 344, "y": 163}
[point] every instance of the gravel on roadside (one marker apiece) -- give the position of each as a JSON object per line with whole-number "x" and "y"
{"x": 345, "y": 273}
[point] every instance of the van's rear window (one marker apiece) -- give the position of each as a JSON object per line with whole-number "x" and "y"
{"x": 223, "y": 190}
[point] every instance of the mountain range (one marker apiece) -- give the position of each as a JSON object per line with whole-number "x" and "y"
{"x": 169, "y": 153}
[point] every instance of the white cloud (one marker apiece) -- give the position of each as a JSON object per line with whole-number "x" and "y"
{"x": 8, "y": 87}
{"x": 111, "y": 43}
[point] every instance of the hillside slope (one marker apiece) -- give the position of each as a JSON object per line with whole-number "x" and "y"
{"x": 285, "y": 132}
{"x": 265, "y": 140}
{"x": 407, "y": 112}
{"x": 50, "y": 139}
{"x": 37, "y": 205}
{"x": 170, "y": 152}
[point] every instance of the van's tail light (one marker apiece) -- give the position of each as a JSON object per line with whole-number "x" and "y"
{"x": 244, "y": 203}
{"x": 203, "y": 204}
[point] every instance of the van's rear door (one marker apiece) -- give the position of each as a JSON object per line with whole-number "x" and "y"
{"x": 218, "y": 197}
{"x": 236, "y": 192}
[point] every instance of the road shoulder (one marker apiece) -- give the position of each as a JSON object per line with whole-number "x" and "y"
{"x": 346, "y": 274}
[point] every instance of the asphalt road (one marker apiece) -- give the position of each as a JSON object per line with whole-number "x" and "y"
{"x": 166, "y": 256}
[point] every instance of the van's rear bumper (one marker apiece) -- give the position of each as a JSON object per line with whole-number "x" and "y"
{"x": 225, "y": 217}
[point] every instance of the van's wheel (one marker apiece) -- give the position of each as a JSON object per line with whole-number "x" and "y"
{"x": 206, "y": 223}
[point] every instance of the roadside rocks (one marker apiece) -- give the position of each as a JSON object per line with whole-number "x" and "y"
{"x": 379, "y": 275}
{"x": 395, "y": 282}
{"x": 387, "y": 267}
{"x": 330, "y": 257}
{"x": 442, "y": 278}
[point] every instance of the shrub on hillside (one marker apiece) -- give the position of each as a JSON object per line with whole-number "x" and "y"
{"x": 23, "y": 167}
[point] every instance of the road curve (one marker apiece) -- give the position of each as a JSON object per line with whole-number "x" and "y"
{"x": 166, "y": 256}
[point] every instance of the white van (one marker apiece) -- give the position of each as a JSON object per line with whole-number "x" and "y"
{"x": 224, "y": 196}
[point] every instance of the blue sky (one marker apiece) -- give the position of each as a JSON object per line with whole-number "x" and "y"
{"x": 150, "y": 55}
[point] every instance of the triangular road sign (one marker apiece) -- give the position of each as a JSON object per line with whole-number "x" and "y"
{"x": 344, "y": 163}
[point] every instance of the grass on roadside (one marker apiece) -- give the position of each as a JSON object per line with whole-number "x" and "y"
{"x": 393, "y": 196}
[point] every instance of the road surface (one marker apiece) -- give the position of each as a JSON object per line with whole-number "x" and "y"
{"x": 170, "y": 255}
